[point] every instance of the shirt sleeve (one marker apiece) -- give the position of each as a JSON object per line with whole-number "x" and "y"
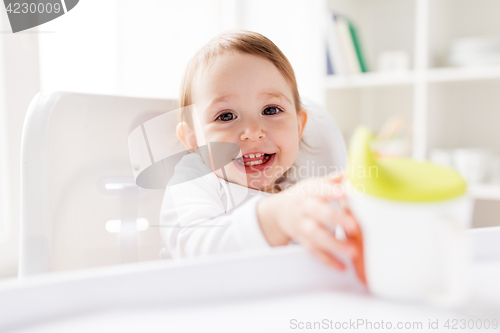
{"x": 194, "y": 221}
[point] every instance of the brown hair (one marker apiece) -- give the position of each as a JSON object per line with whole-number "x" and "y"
{"x": 243, "y": 41}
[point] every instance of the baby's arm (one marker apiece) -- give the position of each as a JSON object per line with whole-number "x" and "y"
{"x": 194, "y": 221}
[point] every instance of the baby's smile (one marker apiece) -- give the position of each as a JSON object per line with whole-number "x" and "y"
{"x": 254, "y": 162}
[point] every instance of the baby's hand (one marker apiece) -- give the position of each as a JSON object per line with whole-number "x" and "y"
{"x": 303, "y": 213}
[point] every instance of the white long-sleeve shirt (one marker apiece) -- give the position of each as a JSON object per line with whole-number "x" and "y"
{"x": 208, "y": 215}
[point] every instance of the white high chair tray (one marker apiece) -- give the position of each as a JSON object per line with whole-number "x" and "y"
{"x": 247, "y": 292}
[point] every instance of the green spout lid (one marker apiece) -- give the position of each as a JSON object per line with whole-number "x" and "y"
{"x": 400, "y": 179}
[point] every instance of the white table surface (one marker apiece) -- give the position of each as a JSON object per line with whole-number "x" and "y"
{"x": 250, "y": 292}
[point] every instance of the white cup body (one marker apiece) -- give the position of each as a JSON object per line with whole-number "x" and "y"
{"x": 414, "y": 251}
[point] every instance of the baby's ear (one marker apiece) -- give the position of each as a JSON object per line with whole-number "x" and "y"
{"x": 301, "y": 121}
{"x": 186, "y": 135}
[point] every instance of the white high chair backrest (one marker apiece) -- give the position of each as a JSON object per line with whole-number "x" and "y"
{"x": 75, "y": 159}
{"x": 322, "y": 149}
{"x": 77, "y": 179}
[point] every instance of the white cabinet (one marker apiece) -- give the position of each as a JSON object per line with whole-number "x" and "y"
{"x": 446, "y": 107}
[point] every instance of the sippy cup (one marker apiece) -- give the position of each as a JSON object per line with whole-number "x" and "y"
{"x": 413, "y": 216}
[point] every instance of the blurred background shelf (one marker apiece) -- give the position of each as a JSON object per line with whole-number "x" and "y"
{"x": 370, "y": 79}
{"x": 425, "y": 31}
{"x": 446, "y": 105}
{"x": 485, "y": 192}
{"x": 453, "y": 74}
{"x": 433, "y": 75}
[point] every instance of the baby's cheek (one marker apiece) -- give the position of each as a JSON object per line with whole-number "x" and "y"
{"x": 292, "y": 153}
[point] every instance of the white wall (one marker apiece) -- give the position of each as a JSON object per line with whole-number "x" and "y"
{"x": 142, "y": 48}
{"x": 79, "y": 50}
{"x": 19, "y": 82}
{"x": 156, "y": 45}
{"x": 4, "y": 152}
{"x": 293, "y": 26}
{"x": 130, "y": 47}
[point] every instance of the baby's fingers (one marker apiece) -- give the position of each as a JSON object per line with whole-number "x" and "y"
{"x": 331, "y": 217}
{"x": 322, "y": 212}
{"x": 317, "y": 233}
{"x": 325, "y": 257}
{"x": 349, "y": 224}
{"x": 356, "y": 238}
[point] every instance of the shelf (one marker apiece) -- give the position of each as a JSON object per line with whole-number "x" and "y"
{"x": 444, "y": 74}
{"x": 371, "y": 79}
{"x": 457, "y": 74}
{"x": 485, "y": 192}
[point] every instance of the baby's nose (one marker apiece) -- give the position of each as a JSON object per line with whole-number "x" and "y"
{"x": 253, "y": 132}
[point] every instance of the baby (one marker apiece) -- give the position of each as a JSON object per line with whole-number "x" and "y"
{"x": 241, "y": 89}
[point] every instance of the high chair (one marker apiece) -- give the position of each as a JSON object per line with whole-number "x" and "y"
{"x": 78, "y": 193}
{"x": 77, "y": 182}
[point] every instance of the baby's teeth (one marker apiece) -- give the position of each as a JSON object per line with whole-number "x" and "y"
{"x": 245, "y": 156}
{"x": 258, "y": 162}
{"x": 251, "y": 155}
{"x": 257, "y": 155}
{"x": 253, "y": 163}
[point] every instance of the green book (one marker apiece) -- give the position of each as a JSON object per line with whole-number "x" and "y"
{"x": 357, "y": 47}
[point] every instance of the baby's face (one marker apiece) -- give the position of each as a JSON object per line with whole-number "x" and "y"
{"x": 244, "y": 99}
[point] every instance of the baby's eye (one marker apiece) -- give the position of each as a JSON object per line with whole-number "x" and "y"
{"x": 228, "y": 116}
{"x": 271, "y": 110}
